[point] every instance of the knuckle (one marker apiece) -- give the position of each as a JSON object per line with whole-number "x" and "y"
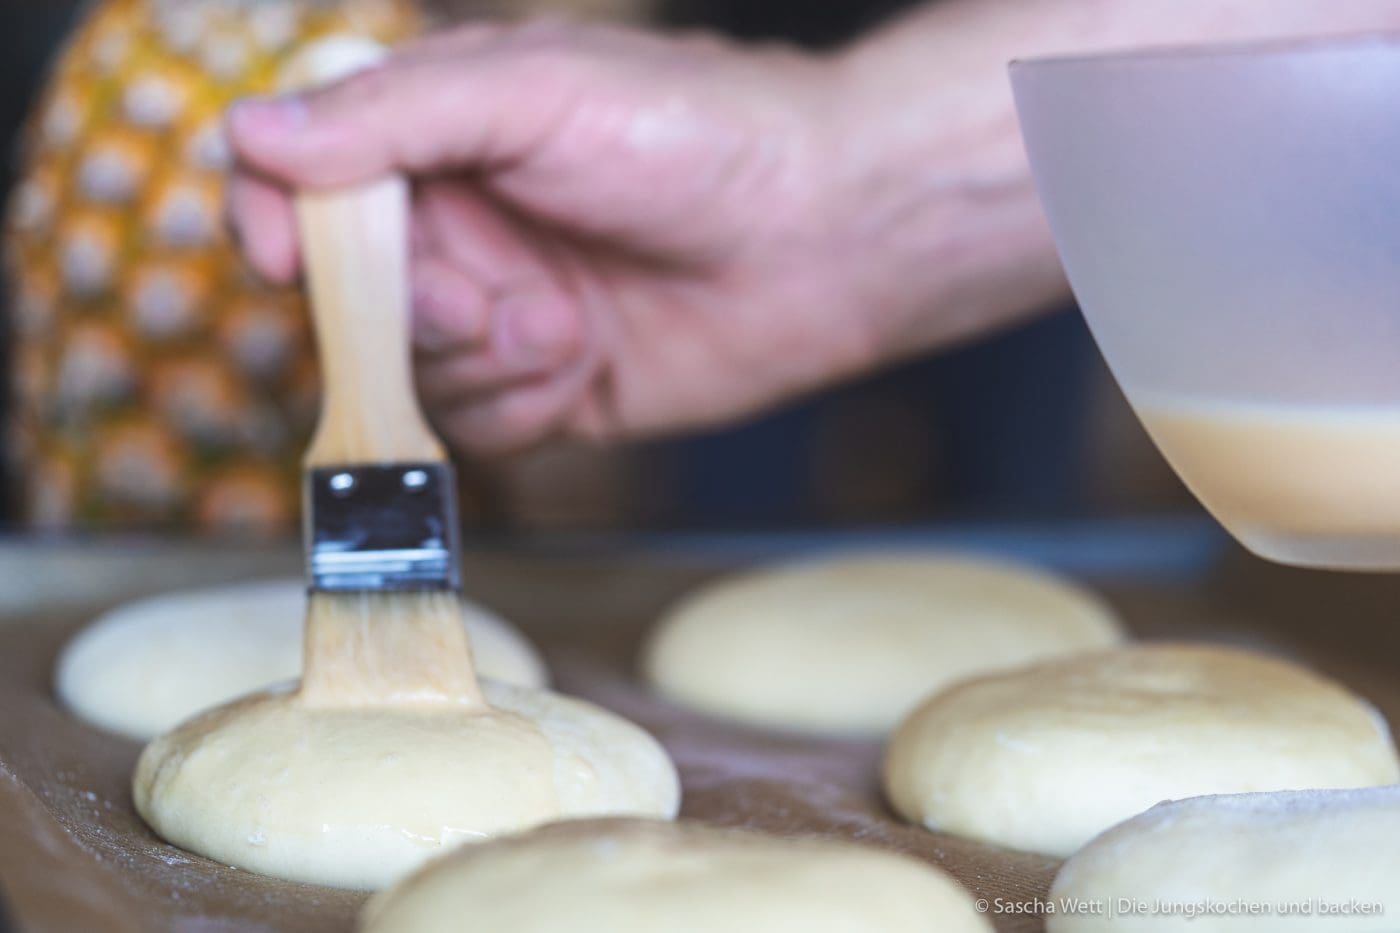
{"x": 545, "y": 28}
{"x": 371, "y": 84}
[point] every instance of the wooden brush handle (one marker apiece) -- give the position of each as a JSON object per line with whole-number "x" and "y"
{"x": 354, "y": 249}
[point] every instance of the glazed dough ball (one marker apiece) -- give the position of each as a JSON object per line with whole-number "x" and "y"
{"x": 1047, "y": 757}
{"x": 1332, "y": 849}
{"x": 148, "y": 665}
{"x": 851, "y": 644}
{"x": 638, "y": 877}
{"x": 357, "y": 797}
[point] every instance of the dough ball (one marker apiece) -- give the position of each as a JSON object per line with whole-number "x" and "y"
{"x": 358, "y": 797}
{"x": 1330, "y": 849}
{"x": 851, "y": 644}
{"x": 619, "y": 876}
{"x": 148, "y": 665}
{"x": 1047, "y": 757}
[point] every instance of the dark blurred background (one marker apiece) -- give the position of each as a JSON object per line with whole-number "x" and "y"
{"x": 1026, "y": 424}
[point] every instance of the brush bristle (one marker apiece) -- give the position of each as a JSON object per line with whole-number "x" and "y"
{"x": 374, "y": 649}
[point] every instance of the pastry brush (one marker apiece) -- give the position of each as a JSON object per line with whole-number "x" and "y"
{"x": 384, "y": 620}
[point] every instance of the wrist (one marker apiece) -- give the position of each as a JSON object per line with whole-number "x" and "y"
{"x": 932, "y": 195}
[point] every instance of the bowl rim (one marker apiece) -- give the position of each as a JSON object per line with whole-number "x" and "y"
{"x": 1244, "y": 48}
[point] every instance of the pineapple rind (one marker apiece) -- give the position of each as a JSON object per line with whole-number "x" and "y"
{"x": 156, "y": 383}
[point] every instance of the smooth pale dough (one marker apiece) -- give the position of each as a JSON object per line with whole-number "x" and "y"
{"x": 148, "y": 665}
{"x": 851, "y": 644}
{"x": 1045, "y": 758}
{"x": 1285, "y": 850}
{"x": 621, "y": 876}
{"x": 358, "y": 797}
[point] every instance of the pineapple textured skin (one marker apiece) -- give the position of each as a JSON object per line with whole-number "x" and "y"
{"x": 157, "y": 384}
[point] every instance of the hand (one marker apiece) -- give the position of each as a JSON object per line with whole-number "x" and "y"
{"x": 619, "y": 234}
{"x": 614, "y": 233}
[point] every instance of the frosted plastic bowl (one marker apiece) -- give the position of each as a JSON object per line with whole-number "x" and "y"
{"x": 1229, "y": 218}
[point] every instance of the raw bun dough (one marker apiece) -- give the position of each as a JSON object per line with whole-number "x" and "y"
{"x": 619, "y": 876}
{"x": 358, "y": 797}
{"x": 146, "y": 666}
{"x": 1045, "y": 758}
{"x": 851, "y": 644}
{"x": 1327, "y": 848}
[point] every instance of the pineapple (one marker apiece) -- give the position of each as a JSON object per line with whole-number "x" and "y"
{"x": 156, "y": 383}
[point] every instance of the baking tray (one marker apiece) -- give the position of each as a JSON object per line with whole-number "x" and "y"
{"x": 74, "y": 856}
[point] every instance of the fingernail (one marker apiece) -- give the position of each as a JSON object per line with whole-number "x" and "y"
{"x": 535, "y": 329}
{"x": 267, "y": 116}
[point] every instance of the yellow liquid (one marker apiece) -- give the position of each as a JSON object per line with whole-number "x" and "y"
{"x": 1325, "y": 477}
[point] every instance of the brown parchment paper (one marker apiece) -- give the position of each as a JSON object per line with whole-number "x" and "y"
{"x": 75, "y": 857}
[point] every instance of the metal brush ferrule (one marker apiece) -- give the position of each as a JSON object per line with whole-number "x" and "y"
{"x": 382, "y": 527}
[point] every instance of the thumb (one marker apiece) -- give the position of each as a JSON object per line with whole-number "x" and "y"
{"x": 410, "y": 114}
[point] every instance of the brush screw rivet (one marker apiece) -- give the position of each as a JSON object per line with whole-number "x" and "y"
{"x": 342, "y": 484}
{"x": 415, "y": 479}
